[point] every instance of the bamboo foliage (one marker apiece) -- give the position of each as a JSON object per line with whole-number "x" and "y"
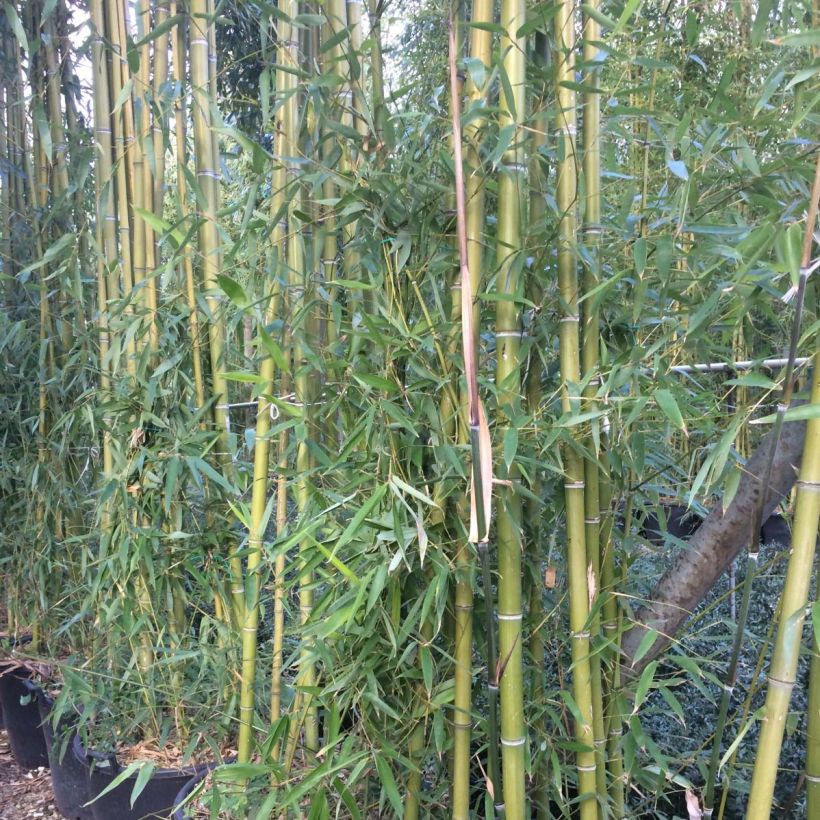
{"x": 304, "y": 248}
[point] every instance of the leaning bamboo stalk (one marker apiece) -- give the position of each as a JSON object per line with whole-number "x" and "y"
{"x": 783, "y": 668}
{"x": 207, "y": 175}
{"x": 508, "y": 384}
{"x": 570, "y": 365}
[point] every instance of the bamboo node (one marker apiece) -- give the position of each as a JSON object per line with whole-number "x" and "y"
{"x": 781, "y": 684}
{"x": 574, "y": 485}
{"x": 591, "y": 768}
{"x": 595, "y": 519}
{"x": 199, "y": 41}
{"x": 519, "y": 741}
{"x": 511, "y": 334}
{"x": 808, "y": 486}
{"x": 512, "y": 617}
{"x": 585, "y": 636}
{"x": 813, "y": 778}
{"x": 563, "y": 319}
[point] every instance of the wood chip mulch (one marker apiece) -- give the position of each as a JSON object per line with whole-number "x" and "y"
{"x": 24, "y": 793}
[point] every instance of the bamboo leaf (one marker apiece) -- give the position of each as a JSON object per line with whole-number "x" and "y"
{"x": 234, "y": 290}
{"x": 644, "y": 682}
{"x": 44, "y": 130}
{"x": 803, "y": 412}
{"x": 388, "y": 783}
{"x": 803, "y": 38}
{"x": 144, "y": 775}
{"x": 596, "y": 14}
{"x": 396, "y": 482}
{"x": 16, "y": 26}
{"x": 758, "y": 715}
{"x": 160, "y": 226}
{"x": 274, "y": 350}
{"x": 158, "y": 30}
{"x": 630, "y": 8}
{"x": 666, "y": 401}
{"x": 645, "y": 645}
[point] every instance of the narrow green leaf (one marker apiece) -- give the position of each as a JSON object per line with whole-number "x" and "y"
{"x": 666, "y": 401}
{"x": 144, "y": 775}
{"x": 233, "y": 290}
{"x": 16, "y": 25}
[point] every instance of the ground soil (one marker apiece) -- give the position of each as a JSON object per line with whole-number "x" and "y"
{"x": 23, "y": 794}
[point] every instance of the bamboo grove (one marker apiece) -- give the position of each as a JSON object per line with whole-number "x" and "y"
{"x": 348, "y": 353}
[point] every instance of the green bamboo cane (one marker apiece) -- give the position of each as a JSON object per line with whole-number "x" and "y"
{"x": 536, "y": 617}
{"x": 256, "y": 535}
{"x": 417, "y": 742}
{"x": 178, "y": 52}
{"x": 5, "y": 197}
{"x": 590, "y": 366}
{"x": 481, "y": 480}
{"x": 160, "y": 113}
{"x": 354, "y": 25}
{"x": 105, "y": 213}
{"x": 278, "y": 263}
{"x": 58, "y": 161}
{"x": 473, "y": 219}
{"x": 379, "y": 108}
{"x": 300, "y": 287}
{"x": 570, "y": 362}
{"x": 813, "y": 733}
{"x": 508, "y": 383}
{"x": 783, "y": 666}
{"x": 122, "y": 128}
{"x": 144, "y": 239}
{"x": 210, "y": 248}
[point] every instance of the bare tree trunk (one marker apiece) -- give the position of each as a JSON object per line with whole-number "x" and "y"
{"x": 712, "y": 549}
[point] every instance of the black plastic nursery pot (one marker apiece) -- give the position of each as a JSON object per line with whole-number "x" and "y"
{"x": 21, "y": 715}
{"x": 69, "y": 778}
{"x": 155, "y": 802}
{"x": 181, "y": 811}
